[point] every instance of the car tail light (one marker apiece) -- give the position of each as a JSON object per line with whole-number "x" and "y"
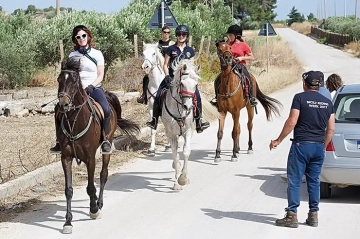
{"x": 330, "y": 146}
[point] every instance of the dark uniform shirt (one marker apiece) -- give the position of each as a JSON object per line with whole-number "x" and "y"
{"x": 175, "y": 53}
{"x": 315, "y": 111}
{"x": 163, "y": 45}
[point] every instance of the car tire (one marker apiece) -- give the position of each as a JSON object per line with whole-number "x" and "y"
{"x": 325, "y": 190}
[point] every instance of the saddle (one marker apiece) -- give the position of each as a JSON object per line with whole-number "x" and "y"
{"x": 246, "y": 83}
{"x": 94, "y": 107}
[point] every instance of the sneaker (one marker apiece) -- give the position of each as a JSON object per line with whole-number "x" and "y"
{"x": 312, "y": 219}
{"x": 253, "y": 102}
{"x": 56, "y": 148}
{"x": 213, "y": 102}
{"x": 200, "y": 126}
{"x": 141, "y": 99}
{"x": 290, "y": 220}
{"x": 152, "y": 124}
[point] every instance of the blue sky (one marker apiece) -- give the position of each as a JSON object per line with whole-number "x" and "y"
{"x": 111, "y": 6}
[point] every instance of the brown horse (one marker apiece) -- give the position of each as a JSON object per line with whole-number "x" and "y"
{"x": 231, "y": 98}
{"x": 80, "y": 134}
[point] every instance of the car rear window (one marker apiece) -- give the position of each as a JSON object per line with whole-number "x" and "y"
{"x": 347, "y": 108}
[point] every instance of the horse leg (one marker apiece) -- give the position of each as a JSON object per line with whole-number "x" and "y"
{"x": 91, "y": 190}
{"x": 235, "y": 136}
{"x": 250, "y": 111}
{"x": 176, "y": 163}
{"x": 151, "y": 150}
{"x": 183, "y": 179}
{"x": 103, "y": 179}
{"x": 220, "y": 135}
{"x": 67, "y": 167}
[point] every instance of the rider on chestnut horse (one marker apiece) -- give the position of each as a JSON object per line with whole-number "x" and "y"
{"x": 241, "y": 52}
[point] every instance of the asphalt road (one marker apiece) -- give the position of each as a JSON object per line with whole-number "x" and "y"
{"x": 228, "y": 200}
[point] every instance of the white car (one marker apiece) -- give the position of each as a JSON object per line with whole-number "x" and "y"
{"x": 341, "y": 166}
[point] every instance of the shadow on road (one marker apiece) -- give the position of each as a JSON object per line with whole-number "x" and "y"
{"x": 244, "y": 216}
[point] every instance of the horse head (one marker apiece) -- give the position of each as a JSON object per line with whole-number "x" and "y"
{"x": 151, "y": 57}
{"x": 224, "y": 53}
{"x": 186, "y": 79}
{"x": 69, "y": 83}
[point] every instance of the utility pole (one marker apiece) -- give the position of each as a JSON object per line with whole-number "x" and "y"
{"x": 325, "y": 9}
{"x": 335, "y": 7}
{"x": 57, "y": 7}
{"x": 344, "y": 8}
{"x": 356, "y": 8}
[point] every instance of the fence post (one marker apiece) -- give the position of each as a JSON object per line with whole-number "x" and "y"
{"x": 61, "y": 48}
{"x": 136, "y": 49}
{"x": 190, "y": 40}
{"x": 208, "y": 46}
{"x": 201, "y": 45}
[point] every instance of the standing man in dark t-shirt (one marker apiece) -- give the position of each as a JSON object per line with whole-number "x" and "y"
{"x": 163, "y": 44}
{"x": 313, "y": 121}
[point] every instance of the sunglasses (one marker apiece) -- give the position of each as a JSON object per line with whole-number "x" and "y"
{"x": 166, "y": 32}
{"x": 181, "y": 34}
{"x": 81, "y": 36}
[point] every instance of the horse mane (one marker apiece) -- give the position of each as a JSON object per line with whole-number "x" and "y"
{"x": 192, "y": 69}
{"x": 72, "y": 64}
{"x": 155, "y": 46}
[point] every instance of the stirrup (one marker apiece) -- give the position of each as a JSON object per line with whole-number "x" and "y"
{"x": 214, "y": 102}
{"x": 104, "y": 143}
{"x": 253, "y": 102}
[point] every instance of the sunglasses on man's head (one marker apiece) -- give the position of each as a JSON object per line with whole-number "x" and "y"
{"x": 81, "y": 36}
{"x": 166, "y": 32}
{"x": 181, "y": 34}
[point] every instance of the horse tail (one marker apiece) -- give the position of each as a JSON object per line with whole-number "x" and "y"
{"x": 130, "y": 128}
{"x": 271, "y": 105}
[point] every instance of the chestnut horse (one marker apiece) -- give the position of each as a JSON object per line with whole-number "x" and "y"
{"x": 79, "y": 132}
{"x": 230, "y": 98}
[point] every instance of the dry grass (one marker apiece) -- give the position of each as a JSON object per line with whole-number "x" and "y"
{"x": 279, "y": 25}
{"x": 303, "y": 27}
{"x": 44, "y": 78}
{"x": 353, "y": 48}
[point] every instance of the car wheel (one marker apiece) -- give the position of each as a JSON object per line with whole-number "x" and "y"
{"x": 325, "y": 190}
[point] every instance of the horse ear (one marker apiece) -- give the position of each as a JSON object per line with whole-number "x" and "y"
{"x": 184, "y": 67}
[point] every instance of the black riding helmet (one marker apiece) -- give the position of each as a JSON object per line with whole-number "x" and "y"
{"x": 182, "y": 28}
{"x": 235, "y": 29}
{"x": 76, "y": 30}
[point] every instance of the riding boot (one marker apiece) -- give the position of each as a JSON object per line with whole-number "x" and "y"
{"x": 56, "y": 148}
{"x": 143, "y": 99}
{"x": 200, "y": 126}
{"x": 216, "y": 87}
{"x": 156, "y": 113}
{"x": 252, "y": 99}
{"x": 106, "y": 145}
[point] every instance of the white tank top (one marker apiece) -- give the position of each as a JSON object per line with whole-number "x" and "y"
{"x": 88, "y": 69}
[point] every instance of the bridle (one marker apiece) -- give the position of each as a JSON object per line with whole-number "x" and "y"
{"x": 70, "y": 135}
{"x": 152, "y": 66}
{"x": 182, "y": 94}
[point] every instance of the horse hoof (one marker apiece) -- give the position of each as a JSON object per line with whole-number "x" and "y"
{"x": 167, "y": 148}
{"x": 67, "y": 229}
{"x": 183, "y": 180}
{"x": 96, "y": 215}
{"x": 250, "y": 151}
{"x": 234, "y": 159}
{"x": 177, "y": 187}
{"x": 217, "y": 160}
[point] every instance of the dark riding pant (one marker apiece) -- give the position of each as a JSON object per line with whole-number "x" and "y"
{"x": 98, "y": 95}
{"x": 145, "y": 83}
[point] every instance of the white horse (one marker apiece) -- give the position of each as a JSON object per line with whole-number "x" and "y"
{"x": 178, "y": 115}
{"x": 152, "y": 65}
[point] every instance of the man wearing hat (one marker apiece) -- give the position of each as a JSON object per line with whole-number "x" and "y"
{"x": 313, "y": 121}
